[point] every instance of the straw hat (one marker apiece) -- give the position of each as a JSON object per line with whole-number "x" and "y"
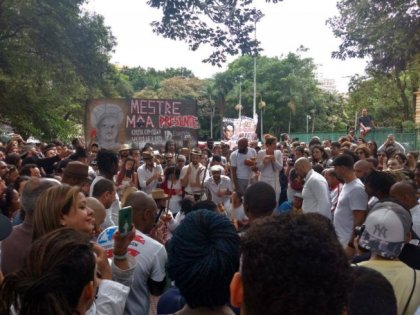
{"x": 124, "y": 147}
{"x": 196, "y": 151}
{"x": 158, "y": 193}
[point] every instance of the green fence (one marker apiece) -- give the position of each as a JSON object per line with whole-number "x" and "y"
{"x": 409, "y": 140}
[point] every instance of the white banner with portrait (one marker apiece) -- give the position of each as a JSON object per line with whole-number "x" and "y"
{"x": 236, "y": 128}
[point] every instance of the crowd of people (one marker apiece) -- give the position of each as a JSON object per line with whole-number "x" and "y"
{"x": 278, "y": 227}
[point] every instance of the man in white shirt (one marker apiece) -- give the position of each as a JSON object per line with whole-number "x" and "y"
{"x": 315, "y": 193}
{"x": 149, "y": 174}
{"x": 352, "y": 203}
{"x": 391, "y": 142}
{"x": 192, "y": 175}
{"x": 218, "y": 187}
{"x": 149, "y": 275}
{"x": 242, "y": 160}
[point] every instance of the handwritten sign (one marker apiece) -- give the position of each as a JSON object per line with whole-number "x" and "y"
{"x": 112, "y": 122}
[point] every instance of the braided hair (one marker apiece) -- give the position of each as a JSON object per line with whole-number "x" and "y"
{"x": 203, "y": 256}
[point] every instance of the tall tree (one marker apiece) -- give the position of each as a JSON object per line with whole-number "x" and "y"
{"x": 226, "y": 25}
{"x": 281, "y": 82}
{"x": 52, "y": 57}
{"x": 385, "y": 31}
{"x": 141, "y": 78}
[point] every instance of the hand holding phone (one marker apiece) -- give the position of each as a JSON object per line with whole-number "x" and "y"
{"x": 125, "y": 220}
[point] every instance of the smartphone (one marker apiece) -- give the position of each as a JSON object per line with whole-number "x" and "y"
{"x": 125, "y": 220}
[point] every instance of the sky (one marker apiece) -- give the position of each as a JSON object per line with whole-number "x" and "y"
{"x": 285, "y": 26}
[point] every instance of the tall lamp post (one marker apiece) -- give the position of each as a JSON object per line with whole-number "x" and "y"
{"x": 313, "y": 111}
{"x": 307, "y": 127}
{"x": 261, "y": 106}
{"x": 238, "y": 107}
{"x": 257, "y": 17}
{"x": 211, "y": 118}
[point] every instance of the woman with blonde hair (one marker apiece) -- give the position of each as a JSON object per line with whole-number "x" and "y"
{"x": 270, "y": 163}
{"x": 62, "y": 206}
{"x": 65, "y": 206}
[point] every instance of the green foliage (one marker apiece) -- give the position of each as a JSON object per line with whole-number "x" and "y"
{"x": 408, "y": 126}
{"x": 53, "y": 57}
{"x": 387, "y": 32}
{"x": 280, "y": 82}
{"x": 141, "y": 78}
{"x": 226, "y": 25}
{"x": 381, "y": 96}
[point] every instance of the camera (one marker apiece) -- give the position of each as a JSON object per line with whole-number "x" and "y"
{"x": 358, "y": 230}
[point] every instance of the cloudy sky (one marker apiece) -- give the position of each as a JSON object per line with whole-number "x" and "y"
{"x": 285, "y": 26}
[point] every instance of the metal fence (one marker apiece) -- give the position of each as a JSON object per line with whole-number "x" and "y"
{"x": 409, "y": 140}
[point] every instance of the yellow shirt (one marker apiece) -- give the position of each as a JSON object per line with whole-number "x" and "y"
{"x": 402, "y": 278}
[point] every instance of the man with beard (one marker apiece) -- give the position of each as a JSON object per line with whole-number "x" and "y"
{"x": 352, "y": 203}
{"x": 149, "y": 174}
{"x": 192, "y": 175}
{"x": 242, "y": 160}
{"x": 218, "y": 187}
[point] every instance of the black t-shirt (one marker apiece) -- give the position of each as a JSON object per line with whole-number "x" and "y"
{"x": 366, "y": 120}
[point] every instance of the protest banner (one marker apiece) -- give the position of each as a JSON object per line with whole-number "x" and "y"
{"x": 112, "y": 122}
{"x": 236, "y": 128}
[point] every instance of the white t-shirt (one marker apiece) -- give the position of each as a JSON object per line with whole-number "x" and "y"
{"x": 192, "y": 178}
{"x": 213, "y": 188}
{"x": 352, "y": 197}
{"x": 238, "y": 160}
{"x": 144, "y": 174}
{"x": 270, "y": 170}
{"x": 110, "y": 299}
{"x": 150, "y": 265}
{"x": 238, "y": 213}
{"x": 174, "y": 205}
{"x": 316, "y": 195}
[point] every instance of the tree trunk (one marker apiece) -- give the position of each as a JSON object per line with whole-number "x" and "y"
{"x": 403, "y": 96}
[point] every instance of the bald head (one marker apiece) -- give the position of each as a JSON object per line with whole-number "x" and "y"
{"x": 99, "y": 212}
{"x": 97, "y": 207}
{"x": 140, "y": 201}
{"x": 362, "y": 168}
{"x": 405, "y": 193}
{"x": 302, "y": 166}
{"x": 144, "y": 210}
